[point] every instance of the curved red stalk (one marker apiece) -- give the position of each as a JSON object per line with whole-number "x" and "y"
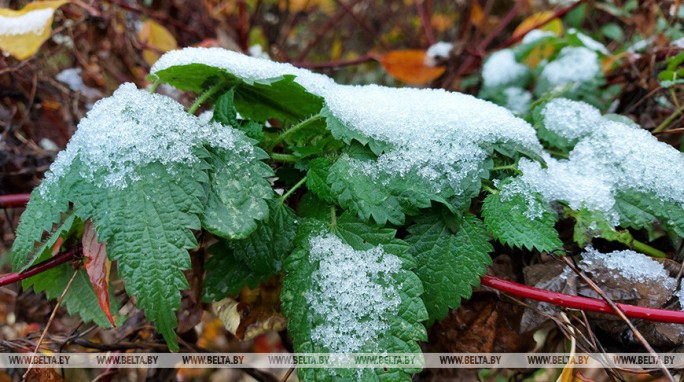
{"x": 40, "y": 267}
{"x": 555, "y": 298}
{"x": 583, "y": 303}
{"x": 14, "y": 200}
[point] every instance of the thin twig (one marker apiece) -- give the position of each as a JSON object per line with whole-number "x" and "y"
{"x": 287, "y": 375}
{"x": 52, "y": 317}
{"x": 620, "y": 313}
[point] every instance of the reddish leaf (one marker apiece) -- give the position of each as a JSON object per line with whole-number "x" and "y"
{"x": 97, "y": 266}
{"x": 410, "y": 66}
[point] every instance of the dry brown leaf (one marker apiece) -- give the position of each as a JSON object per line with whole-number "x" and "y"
{"x": 411, "y": 66}
{"x": 97, "y": 266}
{"x": 33, "y": 27}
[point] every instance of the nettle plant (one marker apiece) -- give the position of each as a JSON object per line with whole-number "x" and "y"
{"x": 551, "y": 66}
{"x": 377, "y": 206}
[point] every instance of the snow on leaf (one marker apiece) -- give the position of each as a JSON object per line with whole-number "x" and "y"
{"x": 509, "y": 219}
{"x": 340, "y": 298}
{"x": 502, "y": 70}
{"x": 22, "y": 32}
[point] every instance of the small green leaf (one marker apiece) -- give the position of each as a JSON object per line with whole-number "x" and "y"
{"x": 279, "y": 97}
{"x": 357, "y": 192}
{"x": 317, "y": 179}
{"x": 449, "y": 262}
{"x": 238, "y": 193}
{"x": 265, "y": 249}
{"x": 640, "y": 210}
{"x": 511, "y": 223}
{"x": 226, "y": 274}
{"x": 224, "y": 109}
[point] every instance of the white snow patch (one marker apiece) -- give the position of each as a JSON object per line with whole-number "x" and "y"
{"x": 518, "y": 100}
{"x": 573, "y": 65}
{"x": 432, "y": 131}
{"x": 133, "y": 128}
{"x": 610, "y": 157}
{"x": 441, "y": 49}
{"x": 535, "y": 35}
{"x": 570, "y": 119}
{"x": 31, "y": 22}
{"x": 248, "y": 68}
{"x": 72, "y": 78}
{"x": 590, "y": 42}
{"x": 631, "y": 265}
{"x": 354, "y": 296}
{"x": 678, "y": 43}
{"x": 501, "y": 69}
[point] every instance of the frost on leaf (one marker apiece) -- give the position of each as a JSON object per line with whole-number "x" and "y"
{"x": 573, "y": 67}
{"x": 633, "y": 267}
{"x": 616, "y": 170}
{"x": 441, "y": 138}
{"x": 521, "y": 218}
{"x": 343, "y": 294}
{"x": 140, "y": 168}
{"x": 502, "y": 70}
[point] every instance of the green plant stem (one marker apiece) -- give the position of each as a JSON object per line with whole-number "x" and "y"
{"x": 668, "y": 121}
{"x": 559, "y": 154}
{"x": 507, "y": 167}
{"x": 300, "y": 126}
{"x": 204, "y": 97}
{"x": 626, "y": 238}
{"x": 292, "y": 190}
{"x": 154, "y": 86}
{"x": 489, "y": 189}
{"x": 285, "y": 158}
{"x": 333, "y": 217}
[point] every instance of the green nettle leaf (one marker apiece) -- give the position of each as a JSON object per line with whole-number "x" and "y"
{"x": 47, "y": 205}
{"x": 641, "y": 210}
{"x": 346, "y": 134}
{"x": 148, "y": 230}
{"x": 279, "y": 97}
{"x": 449, "y": 261}
{"x": 349, "y": 289}
{"x": 224, "y": 109}
{"x": 589, "y": 225}
{"x": 510, "y": 221}
{"x": 80, "y": 298}
{"x": 317, "y": 179}
{"x": 265, "y": 249}
{"x": 226, "y": 274}
{"x": 238, "y": 193}
{"x": 361, "y": 194}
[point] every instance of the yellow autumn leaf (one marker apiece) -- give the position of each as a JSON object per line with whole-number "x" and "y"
{"x": 23, "y": 32}
{"x": 555, "y": 25}
{"x": 157, "y": 38}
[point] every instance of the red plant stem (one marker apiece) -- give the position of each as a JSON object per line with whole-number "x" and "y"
{"x": 14, "y": 200}
{"x": 583, "y": 303}
{"x": 40, "y": 267}
{"x": 425, "y": 21}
